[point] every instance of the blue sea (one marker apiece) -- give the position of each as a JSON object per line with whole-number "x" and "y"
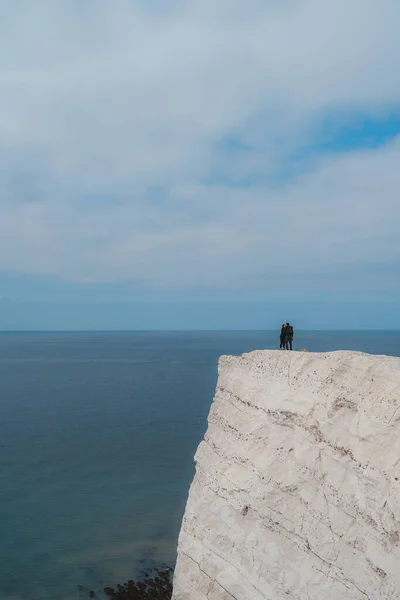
{"x": 97, "y": 437}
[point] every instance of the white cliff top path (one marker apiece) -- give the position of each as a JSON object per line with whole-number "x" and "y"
{"x": 297, "y": 487}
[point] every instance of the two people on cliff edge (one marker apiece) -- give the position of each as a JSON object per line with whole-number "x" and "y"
{"x": 286, "y": 337}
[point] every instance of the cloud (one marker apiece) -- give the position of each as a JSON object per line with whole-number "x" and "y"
{"x": 167, "y": 146}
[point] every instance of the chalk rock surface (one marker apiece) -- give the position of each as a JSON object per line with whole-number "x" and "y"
{"x": 297, "y": 487}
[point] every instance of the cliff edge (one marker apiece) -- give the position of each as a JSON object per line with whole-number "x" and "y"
{"x": 297, "y": 487}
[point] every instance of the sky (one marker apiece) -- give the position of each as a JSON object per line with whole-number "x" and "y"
{"x": 199, "y": 164}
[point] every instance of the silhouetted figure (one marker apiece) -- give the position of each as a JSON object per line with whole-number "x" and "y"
{"x": 289, "y": 332}
{"x": 283, "y": 337}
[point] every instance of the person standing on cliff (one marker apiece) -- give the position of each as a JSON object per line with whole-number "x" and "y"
{"x": 289, "y": 333}
{"x": 283, "y": 337}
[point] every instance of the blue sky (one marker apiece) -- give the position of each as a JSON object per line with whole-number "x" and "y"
{"x": 199, "y": 165}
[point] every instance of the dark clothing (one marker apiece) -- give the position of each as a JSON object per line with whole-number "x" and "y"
{"x": 282, "y": 338}
{"x": 289, "y": 338}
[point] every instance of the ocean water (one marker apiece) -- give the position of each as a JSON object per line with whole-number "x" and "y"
{"x": 97, "y": 437}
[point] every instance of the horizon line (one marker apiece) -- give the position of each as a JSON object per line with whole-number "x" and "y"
{"x": 337, "y": 330}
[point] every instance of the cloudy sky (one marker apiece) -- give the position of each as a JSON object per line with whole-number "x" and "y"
{"x": 216, "y": 151}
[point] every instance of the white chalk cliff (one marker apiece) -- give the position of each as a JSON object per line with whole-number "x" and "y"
{"x": 297, "y": 486}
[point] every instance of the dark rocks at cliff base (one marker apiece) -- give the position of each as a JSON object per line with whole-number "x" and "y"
{"x": 157, "y": 587}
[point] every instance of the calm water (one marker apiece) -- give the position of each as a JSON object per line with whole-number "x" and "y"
{"x": 97, "y": 436}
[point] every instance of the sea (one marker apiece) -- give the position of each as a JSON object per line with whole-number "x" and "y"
{"x": 97, "y": 437}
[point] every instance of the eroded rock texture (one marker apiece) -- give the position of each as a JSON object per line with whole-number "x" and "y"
{"x": 297, "y": 486}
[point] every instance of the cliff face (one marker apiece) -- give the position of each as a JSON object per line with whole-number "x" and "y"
{"x": 297, "y": 486}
